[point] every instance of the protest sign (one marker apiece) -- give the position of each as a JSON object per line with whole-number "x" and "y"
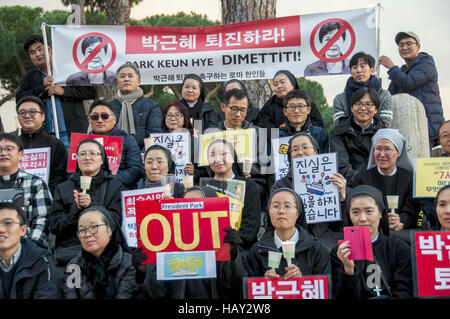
{"x": 36, "y": 161}
{"x": 187, "y": 224}
{"x": 243, "y": 141}
{"x": 431, "y": 263}
{"x": 112, "y": 144}
{"x": 279, "y": 156}
{"x": 247, "y": 51}
{"x": 234, "y": 190}
{"x": 129, "y": 199}
{"x": 313, "y": 287}
{"x": 430, "y": 175}
{"x": 311, "y": 178}
{"x": 179, "y": 144}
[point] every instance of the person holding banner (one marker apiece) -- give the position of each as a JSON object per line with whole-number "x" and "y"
{"x": 193, "y": 96}
{"x": 361, "y": 75}
{"x": 137, "y": 115}
{"x": 103, "y": 122}
{"x": 105, "y": 271}
{"x": 351, "y": 138}
{"x": 287, "y": 223}
{"x": 271, "y": 114}
{"x": 73, "y": 196}
{"x": 389, "y": 275}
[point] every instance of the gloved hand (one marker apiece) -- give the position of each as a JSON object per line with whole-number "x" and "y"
{"x": 137, "y": 257}
{"x": 234, "y": 239}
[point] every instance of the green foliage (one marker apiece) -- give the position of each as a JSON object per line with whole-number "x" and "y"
{"x": 180, "y": 19}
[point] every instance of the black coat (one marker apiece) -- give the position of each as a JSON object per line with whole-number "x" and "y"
{"x": 207, "y": 114}
{"x": 352, "y": 145}
{"x": 34, "y": 276}
{"x": 394, "y": 258}
{"x": 120, "y": 267}
{"x": 72, "y": 100}
{"x": 408, "y": 207}
{"x": 58, "y": 154}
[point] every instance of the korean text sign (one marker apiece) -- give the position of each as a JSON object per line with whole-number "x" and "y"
{"x": 36, "y": 161}
{"x": 314, "y": 287}
{"x": 311, "y": 176}
{"x": 112, "y": 145}
{"x": 279, "y": 156}
{"x": 431, "y": 252}
{"x": 430, "y": 175}
{"x": 187, "y": 224}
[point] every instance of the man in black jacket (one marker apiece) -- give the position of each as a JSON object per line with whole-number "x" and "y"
{"x": 68, "y": 99}
{"x": 26, "y": 267}
{"x": 31, "y": 113}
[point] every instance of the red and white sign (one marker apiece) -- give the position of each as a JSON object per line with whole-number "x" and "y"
{"x": 432, "y": 264}
{"x": 112, "y": 144}
{"x": 314, "y": 287}
{"x": 36, "y": 161}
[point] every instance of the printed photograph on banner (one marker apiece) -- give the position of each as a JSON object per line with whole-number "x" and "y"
{"x": 311, "y": 179}
{"x": 430, "y": 175}
{"x": 36, "y": 161}
{"x": 279, "y": 156}
{"x": 244, "y": 142}
{"x": 186, "y": 265}
{"x": 129, "y": 199}
{"x": 313, "y": 287}
{"x": 234, "y": 190}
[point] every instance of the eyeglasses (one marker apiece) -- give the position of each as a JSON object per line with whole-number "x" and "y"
{"x": 158, "y": 163}
{"x": 236, "y": 109}
{"x": 445, "y": 136}
{"x": 406, "y": 44}
{"x": 24, "y": 113}
{"x": 278, "y": 207}
{"x": 300, "y": 149}
{"x": 176, "y": 116}
{"x": 9, "y": 224}
{"x": 104, "y": 116}
{"x": 7, "y": 149}
{"x": 387, "y": 151}
{"x": 82, "y": 232}
{"x": 88, "y": 154}
{"x": 360, "y": 105}
{"x": 300, "y": 107}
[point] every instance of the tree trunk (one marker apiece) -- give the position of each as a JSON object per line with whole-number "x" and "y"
{"x": 80, "y": 3}
{"x": 234, "y": 11}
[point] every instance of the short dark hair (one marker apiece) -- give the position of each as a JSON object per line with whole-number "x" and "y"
{"x": 328, "y": 27}
{"x": 238, "y": 94}
{"x": 359, "y": 93}
{"x": 101, "y": 102}
{"x": 90, "y": 40}
{"x": 33, "y": 99}
{"x": 13, "y": 206}
{"x": 297, "y": 94}
{"x": 12, "y": 138}
{"x": 442, "y": 124}
{"x": 367, "y": 58}
{"x": 32, "y": 39}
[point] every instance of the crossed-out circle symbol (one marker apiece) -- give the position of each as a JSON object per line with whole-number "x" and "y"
{"x": 83, "y": 64}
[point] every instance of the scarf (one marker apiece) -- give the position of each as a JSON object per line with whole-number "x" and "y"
{"x": 352, "y": 86}
{"x": 126, "y": 118}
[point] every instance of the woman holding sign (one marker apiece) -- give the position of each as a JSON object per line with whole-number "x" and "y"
{"x": 390, "y": 273}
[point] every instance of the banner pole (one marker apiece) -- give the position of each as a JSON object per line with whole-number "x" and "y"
{"x": 378, "y": 38}
{"x": 49, "y": 72}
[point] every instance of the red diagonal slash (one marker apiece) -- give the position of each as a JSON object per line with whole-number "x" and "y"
{"x": 332, "y": 40}
{"x": 94, "y": 53}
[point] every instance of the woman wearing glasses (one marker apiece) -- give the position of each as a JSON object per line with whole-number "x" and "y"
{"x": 104, "y": 270}
{"x": 102, "y": 121}
{"x": 351, "y": 138}
{"x": 70, "y": 199}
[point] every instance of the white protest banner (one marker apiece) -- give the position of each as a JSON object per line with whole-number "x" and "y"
{"x": 311, "y": 176}
{"x": 308, "y": 44}
{"x": 279, "y": 156}
{"x": 179, "y": 144}
{"x": 129, "y": 199}
{"x": 36, "y": 161}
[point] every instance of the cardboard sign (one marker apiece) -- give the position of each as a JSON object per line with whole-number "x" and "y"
{"x": 112, "y": 145}
{"x": 313, "y": 287}
{"x": 36, "y": 161}
{"x": 279, "y": 156}
{"x": 311, "y": 178}
{"x": 187, "y": 224}
{"x": 430, "y": 175}
{"x": 431, "y": 263}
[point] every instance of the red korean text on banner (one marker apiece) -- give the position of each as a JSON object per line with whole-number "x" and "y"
{"x": 112, "y": 144}
{"x": 188, "y": 224}
{"x": 315, "y": 287}
{"x": 432, "y": 264}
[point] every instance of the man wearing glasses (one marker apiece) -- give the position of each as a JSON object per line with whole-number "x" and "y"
{"x": 103, "y": 122}
{"x": 37, "y": 197}
{"x": 31, "y": 114}
{"x": 417, "y": 77}
{"x": 296, "y": 107}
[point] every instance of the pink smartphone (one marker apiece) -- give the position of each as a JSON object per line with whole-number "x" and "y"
{"x": 361, "y": 246}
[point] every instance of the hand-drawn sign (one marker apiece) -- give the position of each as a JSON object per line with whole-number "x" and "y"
{"x": 82, "y": 65}
{"x": 344, "y": 27}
